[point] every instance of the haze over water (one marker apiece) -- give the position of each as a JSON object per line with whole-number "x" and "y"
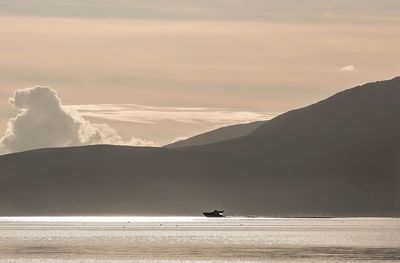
{"x": 197, "y": 239}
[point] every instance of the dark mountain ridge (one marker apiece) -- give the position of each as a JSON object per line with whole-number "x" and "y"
{"x": 338, "y": 157}
{"x": 217, "y": 135}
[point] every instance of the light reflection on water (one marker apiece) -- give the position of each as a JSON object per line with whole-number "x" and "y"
{"x": 103, "y": 219}
{"x": 197, "y": 239}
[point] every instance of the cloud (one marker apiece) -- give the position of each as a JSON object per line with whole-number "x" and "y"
{"x": 44, "y": 122}
{"x": 147, "y": 114}
{"x": 348, "y": 68}
{"x": 282, "y": 10}
{"x": 178, "y": 139}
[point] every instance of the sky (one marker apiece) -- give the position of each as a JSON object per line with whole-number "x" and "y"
{"x": 150, "y": 72}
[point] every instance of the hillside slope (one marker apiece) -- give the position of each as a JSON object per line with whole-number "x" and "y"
{"x": 338, "y": 157}
{"x": 218, "y": 135}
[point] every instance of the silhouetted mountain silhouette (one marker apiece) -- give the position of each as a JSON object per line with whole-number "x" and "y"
{"x": 338, "y": 157}
{"x": 218, "y": 135}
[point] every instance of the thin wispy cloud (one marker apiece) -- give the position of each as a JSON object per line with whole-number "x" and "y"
{"x": 272, "y": 10}
{"x": 148, "y": 114}
{"x": 177, "y": 139}
{"x": 348, "y": 68}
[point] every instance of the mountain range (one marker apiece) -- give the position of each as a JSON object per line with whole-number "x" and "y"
{"x": 338, "y": 157}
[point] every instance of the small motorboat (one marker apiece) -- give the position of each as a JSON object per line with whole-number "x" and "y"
{"x": 215, "y": 213}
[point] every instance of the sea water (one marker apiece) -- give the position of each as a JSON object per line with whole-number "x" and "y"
{"x": 197, "y": 239}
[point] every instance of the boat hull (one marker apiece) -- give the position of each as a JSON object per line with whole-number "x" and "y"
{"x": 212, "y": 214}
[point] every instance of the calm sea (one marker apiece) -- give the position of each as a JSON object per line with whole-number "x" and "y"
{"x": 196, "y": 239}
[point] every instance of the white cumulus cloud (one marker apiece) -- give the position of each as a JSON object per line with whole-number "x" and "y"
{"x": 44, "y": 122}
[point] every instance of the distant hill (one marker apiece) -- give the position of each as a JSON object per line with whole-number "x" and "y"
{"x": 218, "y": 135}
{"x": 338, "y": 157}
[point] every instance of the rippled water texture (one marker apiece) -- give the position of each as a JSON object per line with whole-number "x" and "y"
{"x": 196, "y": 239}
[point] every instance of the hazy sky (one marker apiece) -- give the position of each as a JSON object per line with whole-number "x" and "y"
{"x": 186, "y": 66}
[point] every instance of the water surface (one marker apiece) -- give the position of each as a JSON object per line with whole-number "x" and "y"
{"x": 197, "y": 239}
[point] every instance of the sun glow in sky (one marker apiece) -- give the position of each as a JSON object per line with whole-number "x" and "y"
{"x": 258, "y": 57}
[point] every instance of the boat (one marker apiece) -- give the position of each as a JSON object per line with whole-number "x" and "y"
{"x": 215, "y": 213}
